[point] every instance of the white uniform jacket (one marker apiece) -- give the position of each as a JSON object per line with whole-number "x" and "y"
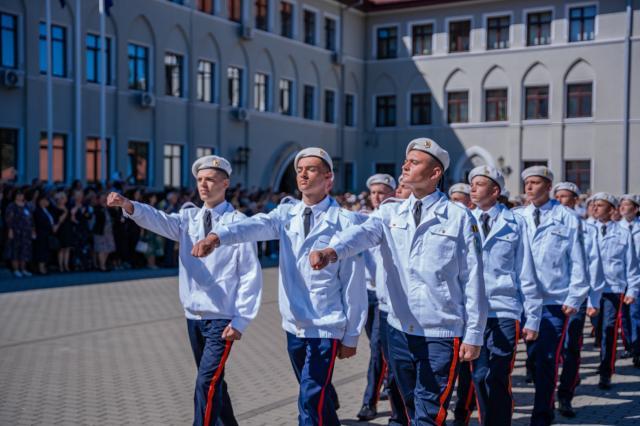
{"x": 434, "y": 272}
{"x": 509, "y": 273}
{"x": 619, "y": 260}
{"x": 330, "y": 303}
{"x": 558, "y": 254}
{"x": 225, "y": 285}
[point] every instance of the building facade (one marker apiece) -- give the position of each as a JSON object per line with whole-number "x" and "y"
{"x": 496, "y": 82}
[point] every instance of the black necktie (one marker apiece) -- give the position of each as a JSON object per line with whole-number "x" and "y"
{"x": 603, "y": 229}
{"x": 536, "y": 217}
{"x": 307, "y": 221}
{"x": 207, "y": 222}
{"x": 486, "y": 227}
{"x": 630, "y": 226}
{"x": 417, "y": 213}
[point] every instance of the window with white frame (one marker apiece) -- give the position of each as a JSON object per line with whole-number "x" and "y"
{"x": 385, "y": 111}
{"x": 422, "y": 39}
{"x": 329, "y": 106}
{"x": 539, "y": 28}
{"x": 234, "y": 86}
{"x": 286, "y": 19}
{"x": 582, "y": 23}
{"x": 459, "y": 36}
{"x": 261, "y": 92}
{"x": 349, "y": 110}
{"x": 308, "y": 110}
{"x": 309, "y": 27}
{"x": 286, "y": 97}
{"x": 173, "y": 165}
{"x": 330, "y": 34}
{"x": 205, "y": 81}
{"x": 173, "y": 74}
{"x": 498, "y": 32}
{"x": 387, "y": 42}
{"x": 420, "y": 109}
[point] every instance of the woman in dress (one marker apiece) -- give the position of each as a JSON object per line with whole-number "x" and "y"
{"x": 64, "y": 230}
{"x": 45, "y": 228}
{"x": 20, "y": 232}
{"x": 103, "y": 242}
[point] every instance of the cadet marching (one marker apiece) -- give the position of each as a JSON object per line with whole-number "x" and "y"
{"x": 444, "y": 286}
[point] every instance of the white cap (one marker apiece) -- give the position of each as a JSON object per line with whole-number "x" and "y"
{"x": 566, "y": 186}
{"x": 631, "y": 197}
{"x": 604, "y": 196}
{"x": 489, "y": 172}
{"x": 314, "y": 152}
{"x": 211, "y": 162}
{"x": 460, "y": 187}
{"x": 542, "y": 171}
{"x": 432, "y": 148}
{"x": 382, "y": 178}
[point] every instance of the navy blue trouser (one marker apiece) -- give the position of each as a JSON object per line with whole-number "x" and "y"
{"x": 313, "y": 360}
{"x": 377, "y": 365}
{"x": 610, "y": 313}
{"x": 466, "y": 402}
{"x": 491, "y": 372}
{"x": 398, "y": 411}
{"x": 631, "y": 327}
{"x": 211, "y": 399}
{"x": 489, "y": 381}
{"x": 425, "y": 369}
{"x": 570, "y": 376}
{"x": 546, "y": 354}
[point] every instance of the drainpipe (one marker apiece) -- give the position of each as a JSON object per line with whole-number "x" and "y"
{"x": 627, "y": 96}
{"x": 342, "y": 95}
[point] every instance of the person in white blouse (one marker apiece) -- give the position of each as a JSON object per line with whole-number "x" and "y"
{"x": 220, "y": 294}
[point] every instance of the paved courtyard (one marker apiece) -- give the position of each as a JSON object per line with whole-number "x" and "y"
{"x": 118, "y": 353}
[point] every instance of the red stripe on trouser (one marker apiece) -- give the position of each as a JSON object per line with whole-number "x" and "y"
{"x": 558, "y": 356}
{"x": 467, "y": 404}
{"x": 615, "y": 335}
{"x": 442, "y": 413}
{"x": 214, "y": 381}
{"x": 476, "y": 397}
{"x": 383, "y": 373}
{"x": 513, "y": 363}
{"x": 578, "y": 362}
{"x": 334, "y": 352}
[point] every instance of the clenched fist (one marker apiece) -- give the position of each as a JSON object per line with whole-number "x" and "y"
{"x": 319, "y": 259}
{"x": 345, "y": 352}
{"x": 529, "y": 335}
{"x": 116, "y": 200}
{"x": 469, "y": 352}
{"x": 205, "y": 247}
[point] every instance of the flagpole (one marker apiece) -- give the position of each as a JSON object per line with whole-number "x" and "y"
{"x": 49, "y": 97}
{"x": 80, "y": 144}
{"x": 103, "y": 95}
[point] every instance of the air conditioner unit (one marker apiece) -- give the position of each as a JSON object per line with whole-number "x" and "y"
{"x": 240, "y": 114}
{"x": 12, "y": 79}
{"x": 336, "y": 58}
{"x": 146, "y": 100}
{"x": 246, "y": 32}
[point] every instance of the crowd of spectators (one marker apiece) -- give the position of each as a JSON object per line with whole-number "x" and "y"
{"x": 46, "y": 228}
{"x": 61, "y": 228}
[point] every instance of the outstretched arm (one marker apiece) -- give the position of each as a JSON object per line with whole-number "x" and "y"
{"x": 261, "y": 227}
{"x": 167, "y": 225}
